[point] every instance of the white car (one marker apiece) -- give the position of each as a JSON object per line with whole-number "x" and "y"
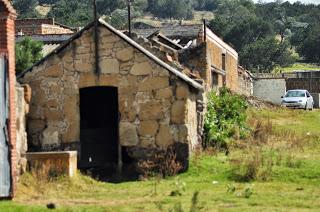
{"x": 298, "y": 99}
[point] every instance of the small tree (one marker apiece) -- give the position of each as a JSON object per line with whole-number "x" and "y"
{"x": 309, "y": 48}
{"x": 265, "y": 54}
{"x": 28, "y": 52}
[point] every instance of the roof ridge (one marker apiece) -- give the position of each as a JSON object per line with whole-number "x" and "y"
{"x": 146, "y": 52}
{"x": 184, "y": 77}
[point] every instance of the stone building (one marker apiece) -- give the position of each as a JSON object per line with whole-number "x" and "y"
{"x": 116, "y": 104}
{"x": 199, "y": 49}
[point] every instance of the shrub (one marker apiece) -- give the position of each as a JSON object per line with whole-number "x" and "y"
{"x": 225, "y": 118}
{"x": 28, "y": 52}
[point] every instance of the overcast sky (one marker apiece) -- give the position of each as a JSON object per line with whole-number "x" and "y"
{"x": 303, "y": 1}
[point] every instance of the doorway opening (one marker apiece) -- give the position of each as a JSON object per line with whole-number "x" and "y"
{"x": 99, "y": 132}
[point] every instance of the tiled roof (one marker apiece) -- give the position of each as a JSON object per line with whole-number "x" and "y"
{"x": 47, "y": 39}
{"x": 48, "y": 48}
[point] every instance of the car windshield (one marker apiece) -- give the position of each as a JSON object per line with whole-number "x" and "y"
{"x": 295, "y": 94}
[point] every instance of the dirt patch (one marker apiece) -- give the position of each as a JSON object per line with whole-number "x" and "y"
{"x": 73, "y": 202}
{"x": 257, "y": 103}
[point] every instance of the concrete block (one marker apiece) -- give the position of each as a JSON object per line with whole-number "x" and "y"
{"x": 49, "y": 164}
{"x": 316, "y": 97}
{"x": 269, "y": 90}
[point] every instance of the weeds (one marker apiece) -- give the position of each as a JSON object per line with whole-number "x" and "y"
{"x": 179, "y": 186}
{"x": 195, "y": 202}
{"x": 247, "y": 192}
{"x": 194, "y": 207}
{"x": 266, "y": 148}
{"x": 225, "y": 118}
{"x": 160, "y": 166}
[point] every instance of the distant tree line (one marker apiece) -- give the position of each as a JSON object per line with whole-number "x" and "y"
{"x": 266, "y": 35}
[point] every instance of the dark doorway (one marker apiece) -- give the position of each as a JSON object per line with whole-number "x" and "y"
{"x": 99, "y": 123}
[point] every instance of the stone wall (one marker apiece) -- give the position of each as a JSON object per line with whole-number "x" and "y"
{"x": 215, "y": 49}
{"x": 269, "y": 89}
{"x": 155, "y": 105}
{"x": 22, "y": 109}
{"x": 231, "y": 72}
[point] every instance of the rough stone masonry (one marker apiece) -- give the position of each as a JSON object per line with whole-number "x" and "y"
{"x": 158, "y": 108}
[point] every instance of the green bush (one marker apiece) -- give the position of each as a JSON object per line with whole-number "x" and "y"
{"x": 28, "y": 52}
{"x": 225, "y": 118}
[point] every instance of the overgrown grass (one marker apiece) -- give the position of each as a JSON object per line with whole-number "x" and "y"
{"x": 284, "y": 146}
{"x": 285, "y": 176}
{"x": 301, "y": 66}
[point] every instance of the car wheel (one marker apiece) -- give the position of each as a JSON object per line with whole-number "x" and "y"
{"x": 306, "y": 107}
{"x": 311, "y": 108}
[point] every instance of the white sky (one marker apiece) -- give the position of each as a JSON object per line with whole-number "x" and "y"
{"x": 302, "y": 1}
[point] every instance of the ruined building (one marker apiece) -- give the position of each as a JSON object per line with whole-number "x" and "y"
{"x": 120, "y": 100}
{"x": 199, "y": 49}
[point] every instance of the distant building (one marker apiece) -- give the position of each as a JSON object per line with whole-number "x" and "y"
{"x": 41, "y": 26}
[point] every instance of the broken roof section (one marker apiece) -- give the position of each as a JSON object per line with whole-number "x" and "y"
{"x": 184, "y": 33}
{"x": 174, "y": 71}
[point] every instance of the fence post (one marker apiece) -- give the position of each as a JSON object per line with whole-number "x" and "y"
{"x": 204, "y": 30}
{"x": 310, "y": 83}
{"x": 129, "y": 17}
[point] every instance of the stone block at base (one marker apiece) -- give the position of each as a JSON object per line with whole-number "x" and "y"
{"x": 53, "y": 163}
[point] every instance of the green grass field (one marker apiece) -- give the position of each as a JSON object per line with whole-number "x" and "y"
{"x": 275, "y": 169}
{"x": 301, "y": 67}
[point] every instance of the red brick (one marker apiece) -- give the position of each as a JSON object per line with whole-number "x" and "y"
{"x": 7, "y": 19}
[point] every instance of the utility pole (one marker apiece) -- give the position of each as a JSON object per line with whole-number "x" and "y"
{"x": 204, "y": 30}
{"x": 129, "y": 16}
{"x": 96, "y": 38}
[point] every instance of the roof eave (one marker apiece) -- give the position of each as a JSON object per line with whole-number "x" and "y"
{"x": 129, "y": 41}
